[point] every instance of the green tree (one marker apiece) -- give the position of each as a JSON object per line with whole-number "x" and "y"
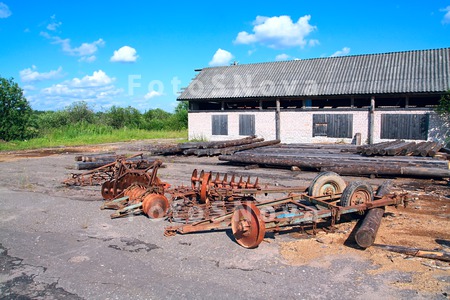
{"x": 181, "y": 115}
{"x": 119, "y": 117}
{"x": 443, "y": 109}
{"x": 80, "y": 112}
{"x": 15, "y": 111}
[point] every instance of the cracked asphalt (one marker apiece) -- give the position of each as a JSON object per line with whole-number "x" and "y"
{"x": 56, "y": 243}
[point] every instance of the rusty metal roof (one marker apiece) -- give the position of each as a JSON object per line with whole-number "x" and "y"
{"x": 422, "y": 71}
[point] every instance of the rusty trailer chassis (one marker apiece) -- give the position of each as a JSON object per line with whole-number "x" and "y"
{"x": 250, "y": 220}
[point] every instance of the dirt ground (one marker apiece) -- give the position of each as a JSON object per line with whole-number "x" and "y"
{"x": 424, "y": 224}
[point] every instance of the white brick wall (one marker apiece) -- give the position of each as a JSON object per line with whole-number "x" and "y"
{"x": 296, "y": 126}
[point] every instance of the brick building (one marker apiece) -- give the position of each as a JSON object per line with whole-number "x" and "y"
{"x": 380, "y": 96}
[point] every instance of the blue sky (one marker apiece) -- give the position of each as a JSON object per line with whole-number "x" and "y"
{"x": 140, "y": 53}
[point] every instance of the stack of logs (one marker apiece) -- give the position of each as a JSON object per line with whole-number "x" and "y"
{"x": 93, "y": 161}
{"x": 341, "y": 159}
{"x": 401, "y": 148}
{"x": 214, "y": 148}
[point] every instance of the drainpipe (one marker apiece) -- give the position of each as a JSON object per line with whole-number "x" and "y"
{"x": 277, "y": 120}
{"x": 371, "y": 119}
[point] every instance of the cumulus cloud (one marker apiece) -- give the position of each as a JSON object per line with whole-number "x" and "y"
{"x": 278, "y": 32}
{"x": 446, "y": 19}
{"x": 84, "y": 50}
{"x": 125, "y": 54}
{"x": 152, "y": 94}
{"x": 282, "y": 56}
{"x": 344, "y": 51}
{"x": 4, "y": 11}
{"x": 98, "y": 89}
{"x": 221, "y": 58}
{"x": 32, "y": 75}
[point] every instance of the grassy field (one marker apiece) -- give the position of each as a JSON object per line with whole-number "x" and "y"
{"x": 89, "y": 135}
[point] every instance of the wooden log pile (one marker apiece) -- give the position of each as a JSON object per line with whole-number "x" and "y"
{"x": 93, "y": 161}
{"x": 401, "y": 148}
{"x": 341, "y": 159}
{"x": 214, "y": 148}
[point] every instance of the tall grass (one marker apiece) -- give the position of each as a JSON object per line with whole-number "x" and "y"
{"x": 88, "y": 134}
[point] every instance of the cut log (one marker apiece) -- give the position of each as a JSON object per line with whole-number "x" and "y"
{"x": 367, "y": 232}
{"x": 397, "y": 149}
{"x": 432, "y": 152}
{"x": 231, "y": 150}
{"x": 420, "y": 148}
{"x": 428, "y": 147}
{"x": 432, "y": 254}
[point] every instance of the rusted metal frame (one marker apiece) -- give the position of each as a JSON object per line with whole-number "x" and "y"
{"x": 324, "y": 200}
{"x": 286, "y": 219}
{"x": 130, "y": 209}
{"x": 116, "y": 203}
{"x": 224, "y": 222}
{"x": 264, "y": 190}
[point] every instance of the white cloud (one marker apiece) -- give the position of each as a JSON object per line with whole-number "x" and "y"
{"x": 278, "y": 32}
{"x": 54, "y": 24}
{"x": 85, "y": 49}
{"x": 4, "y": 11}
{"x": 124, "y": 54}
{"x": 32, "y": 75}
{"x": 221, "y": 58}
{"x": 446, "y": 19}
{"x": 88, "y": 59}
{"x": 344, "y": 51}
{"x": 152, "y": 94}
{"x": 282, "y": 56}
{"x": 313, "y": 43}
{"x": 97, "y": 88}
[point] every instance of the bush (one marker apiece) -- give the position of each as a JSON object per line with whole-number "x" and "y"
{"x": 15, "y": 112}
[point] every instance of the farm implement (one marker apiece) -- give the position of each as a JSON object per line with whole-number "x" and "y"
{"x": 327, "y": 198}
{"x": 216, "y": 201}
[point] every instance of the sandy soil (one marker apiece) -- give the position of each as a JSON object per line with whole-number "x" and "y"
{"x": 423, "y": 224}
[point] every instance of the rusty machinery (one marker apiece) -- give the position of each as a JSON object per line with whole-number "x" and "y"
{"x": 215, "y": 202}
{"x": 327, "y": 198}
{"x": 111, "y": 172}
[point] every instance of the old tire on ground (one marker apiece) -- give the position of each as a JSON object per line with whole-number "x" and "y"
{"x": 326, "y": 184}
{"x": 357, "y": 192}
{"x": 155, "y": 206}
{"x": 247, "y": 226}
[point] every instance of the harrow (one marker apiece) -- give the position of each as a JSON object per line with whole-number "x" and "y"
{"x": 214, "y": 202}
{"x": 328, "y": 198}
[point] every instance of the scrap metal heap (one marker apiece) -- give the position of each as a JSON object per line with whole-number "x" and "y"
{"x": 111, "y": 172}
{"x": 218, "y": 202}
{"x": 327, "y": 198}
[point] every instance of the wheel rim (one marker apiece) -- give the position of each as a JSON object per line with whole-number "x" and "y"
{"x": 330, "y": 188}
{"x": 155, "y": 206}
{"x": 360, "y": 196}
{"x": 247, "y": 226}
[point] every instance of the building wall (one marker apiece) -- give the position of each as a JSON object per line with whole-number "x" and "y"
{"x": 297, "y": 126}
{"x": 200, "y": 125}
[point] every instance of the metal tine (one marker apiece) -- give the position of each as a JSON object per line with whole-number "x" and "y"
{"x": 225, "y": 180}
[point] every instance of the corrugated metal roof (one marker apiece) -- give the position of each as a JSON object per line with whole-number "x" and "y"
{"x": 421, "y": 71}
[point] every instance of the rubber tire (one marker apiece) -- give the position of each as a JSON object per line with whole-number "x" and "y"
{"x": 352, "y": 188}
{"x": 323, "y": 179}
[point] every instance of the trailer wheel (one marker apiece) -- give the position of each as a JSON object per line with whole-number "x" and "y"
{"x": 357, "y": 192}
{"x": 247, "y": 226}
{"x": 326, "y": 183}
